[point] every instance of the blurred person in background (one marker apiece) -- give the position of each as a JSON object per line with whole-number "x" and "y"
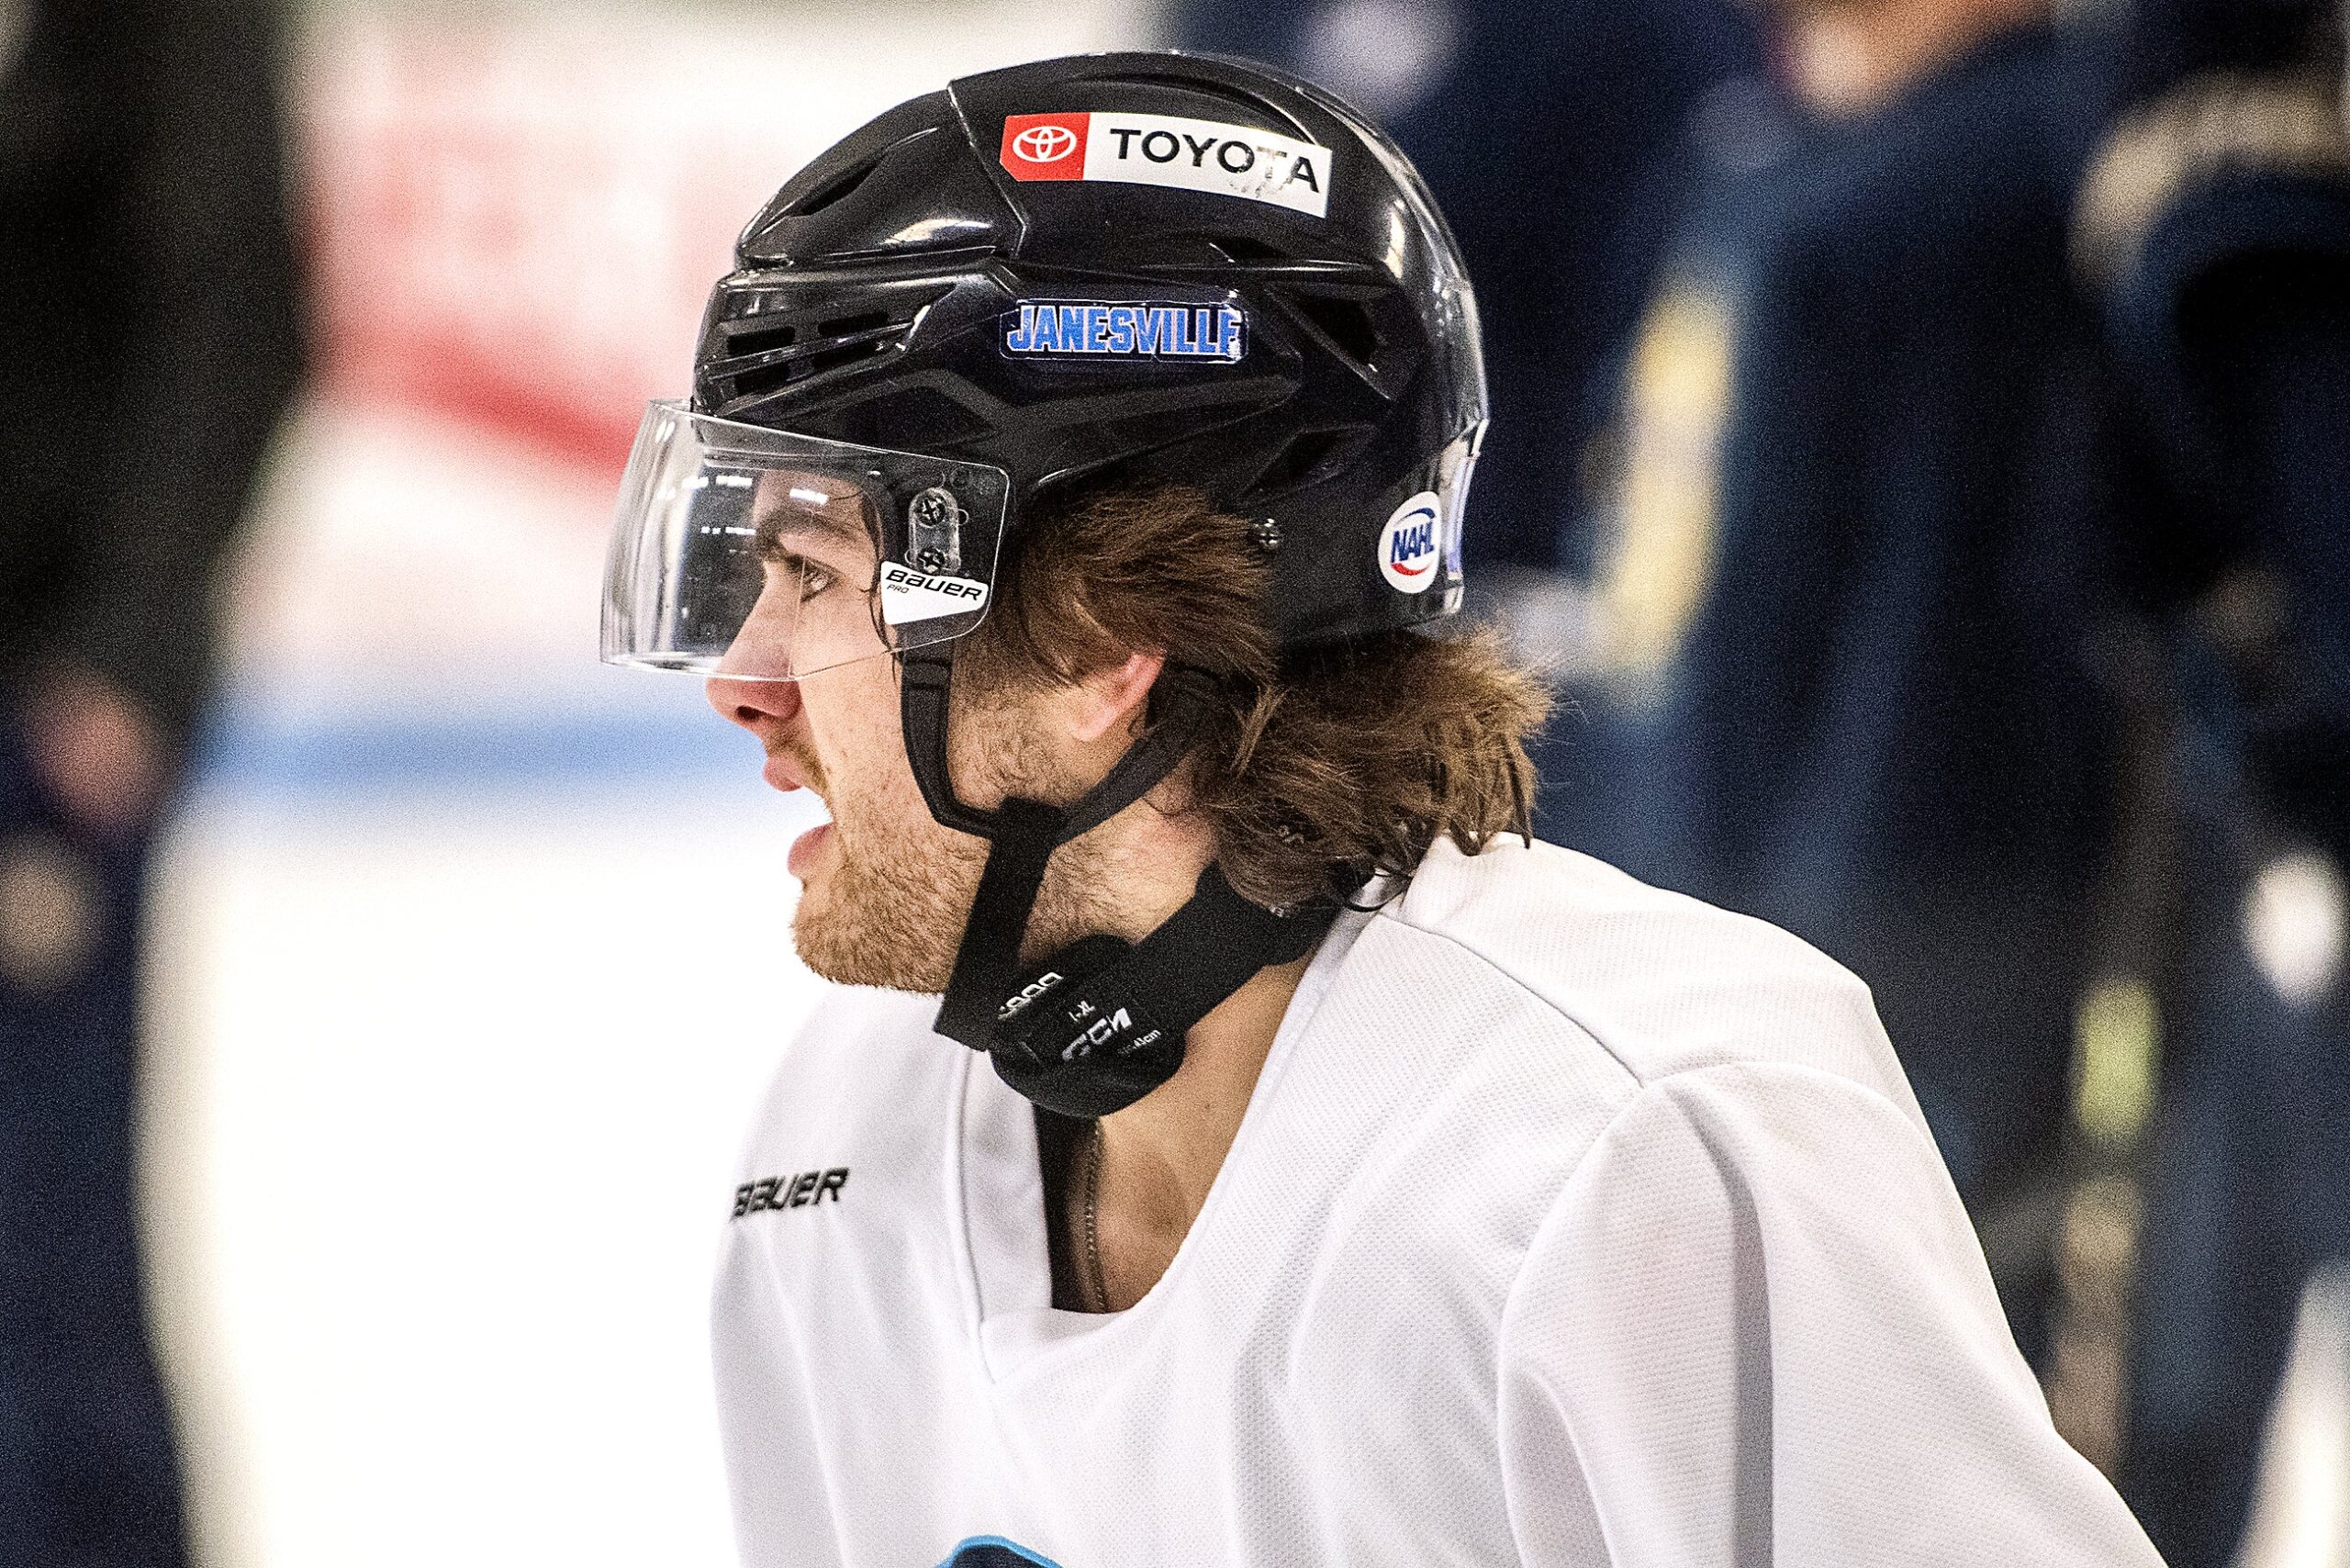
{"x": 2215, "y": 224}
{"x": 1852, "y": 568}
{"x": 151, "y": 340}
{"x": 1556, "y": 137}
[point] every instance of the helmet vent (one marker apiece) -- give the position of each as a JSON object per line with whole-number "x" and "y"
{"x": 1310, "y": 456}
{"x": 862, "y": 322}
{"x": 1241, "y": 248}
{"x": 832, "y": 190}
{"x": 856, "y": 341}
{"x": 1344, "y": 321}
{"x": 753, "y": 339}
{"x": 763, "y": 357}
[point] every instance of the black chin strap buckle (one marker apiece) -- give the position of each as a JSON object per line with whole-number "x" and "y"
{"x": 1100, "y": 1024}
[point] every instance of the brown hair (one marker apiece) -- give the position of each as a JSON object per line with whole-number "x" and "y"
{"x": 1320, "y": 769}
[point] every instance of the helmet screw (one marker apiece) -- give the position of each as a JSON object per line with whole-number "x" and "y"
{"x": 1266, "y": 535}
{"x": 936, "y": 522}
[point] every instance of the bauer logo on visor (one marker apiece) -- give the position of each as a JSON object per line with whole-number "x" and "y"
{"x": 1088, "y": 328}
{"x": 908, "y": 596}
{"x": 1168, "y": 149}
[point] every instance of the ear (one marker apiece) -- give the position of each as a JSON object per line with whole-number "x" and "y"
{"x": 1113, "y": 697}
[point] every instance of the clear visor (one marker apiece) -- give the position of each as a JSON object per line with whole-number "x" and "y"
{"x": 762, "y": 556}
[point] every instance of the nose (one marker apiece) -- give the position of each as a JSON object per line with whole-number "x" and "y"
{"x": 759, "y": 706}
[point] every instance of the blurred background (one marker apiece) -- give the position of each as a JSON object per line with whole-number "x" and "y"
{"x": 1921, "y": 463}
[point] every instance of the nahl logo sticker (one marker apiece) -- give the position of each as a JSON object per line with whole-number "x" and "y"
{"x": 1086, "y": 329}
{"x": 1166, "y": 150}
{"x": 909, "y": 596}
{"x": 1409, "y": 546}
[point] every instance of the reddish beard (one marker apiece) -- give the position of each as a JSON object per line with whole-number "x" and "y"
{"x": 890, "y": 910}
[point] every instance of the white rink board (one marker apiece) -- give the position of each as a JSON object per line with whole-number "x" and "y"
{"x": 442, "y": 1118}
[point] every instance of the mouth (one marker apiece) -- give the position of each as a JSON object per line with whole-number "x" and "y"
{"x": 784, "y": 772}
{"x": 805, "y": 848}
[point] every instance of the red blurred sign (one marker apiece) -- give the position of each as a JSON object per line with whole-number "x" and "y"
{"x": 517, "y": 221}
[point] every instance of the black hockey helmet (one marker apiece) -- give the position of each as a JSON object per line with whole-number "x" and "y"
{"x": 881, "y": 293}
{"x": 1117, "y": 268}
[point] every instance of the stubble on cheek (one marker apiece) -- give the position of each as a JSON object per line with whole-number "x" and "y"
{"x": 895, "y": 918}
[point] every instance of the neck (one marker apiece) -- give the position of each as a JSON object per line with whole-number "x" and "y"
{"x": 1173, "y": 1141}
{"x": 1850, "y": 59}
{"x": 1161, "y": 1155}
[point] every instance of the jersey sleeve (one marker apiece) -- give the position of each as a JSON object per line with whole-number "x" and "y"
{"x": 1756, "y": 1327}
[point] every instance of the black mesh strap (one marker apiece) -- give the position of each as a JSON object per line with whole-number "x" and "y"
{"x": 1203, "y": 952}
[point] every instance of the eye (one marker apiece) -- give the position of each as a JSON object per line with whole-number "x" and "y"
{"x": 805, "y": 579}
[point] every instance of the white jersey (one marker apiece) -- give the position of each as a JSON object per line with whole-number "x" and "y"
{"x": 1572, "y": 1222}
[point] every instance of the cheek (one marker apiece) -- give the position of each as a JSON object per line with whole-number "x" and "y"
{"x": 853, "y": 723}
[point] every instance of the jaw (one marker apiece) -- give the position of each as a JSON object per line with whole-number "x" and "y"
{"x": 884, "y": 908}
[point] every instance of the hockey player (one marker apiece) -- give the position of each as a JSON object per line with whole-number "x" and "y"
{"x": 1333, "y": 1175}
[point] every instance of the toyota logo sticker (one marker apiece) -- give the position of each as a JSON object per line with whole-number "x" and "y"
{"x": 1044, "y": 144}
{"x": 1168, "y": 149}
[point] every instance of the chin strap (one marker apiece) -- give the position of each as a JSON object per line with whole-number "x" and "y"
{"x": 1101, "y": 1023}
{"x": 988, "y": 962}
{"x": 1202, "y": 953}
{"x": 1182, "y": 699}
